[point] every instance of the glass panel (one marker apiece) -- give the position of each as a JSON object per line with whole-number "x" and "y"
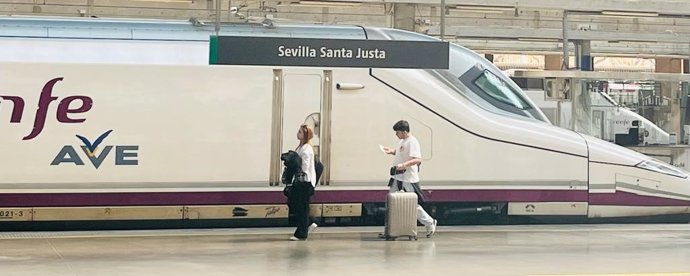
{"x": 462, "y": 61}
{"x": 654, "y": 165}
{"x": 499, "y": 90}
{"x": 457, "y": 86}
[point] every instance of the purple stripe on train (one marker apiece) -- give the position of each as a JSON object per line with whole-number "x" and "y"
{"x": 630, "y": 199}
{"x": 276, "y": 197}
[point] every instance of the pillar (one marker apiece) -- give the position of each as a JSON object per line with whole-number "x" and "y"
{"x": 403, "y": 16}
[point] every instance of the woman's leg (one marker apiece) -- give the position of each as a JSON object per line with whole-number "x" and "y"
{"x": 312, "y": 220}
{"x": 302, "y": 210}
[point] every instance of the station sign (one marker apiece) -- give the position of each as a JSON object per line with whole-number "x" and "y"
{"x": 272, "y": 51}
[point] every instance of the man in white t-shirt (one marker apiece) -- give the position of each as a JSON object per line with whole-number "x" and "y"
{"x": 408, "y": 156}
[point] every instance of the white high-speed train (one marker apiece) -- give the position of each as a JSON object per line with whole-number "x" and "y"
{"x": 196, "y": 143}
{"x": 618, "y": 119}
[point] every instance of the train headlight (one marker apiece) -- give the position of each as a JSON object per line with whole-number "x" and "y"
{"x": 657, "y": 166}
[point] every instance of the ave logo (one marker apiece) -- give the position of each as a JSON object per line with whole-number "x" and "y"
{"x": 125, "y": 155}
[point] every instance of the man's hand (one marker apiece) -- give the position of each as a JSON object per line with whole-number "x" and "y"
{"x": 400, "y": 167}
{"x": 388, "y": 150}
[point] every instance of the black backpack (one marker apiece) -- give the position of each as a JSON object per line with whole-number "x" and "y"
{"x": 292, "y": 165}
{"x": 318, "y": 166}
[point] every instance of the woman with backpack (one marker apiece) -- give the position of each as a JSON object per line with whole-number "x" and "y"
{"x": 303, "y": 186}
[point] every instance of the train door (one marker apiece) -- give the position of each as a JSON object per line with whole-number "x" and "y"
{"x": 300, "y": 96}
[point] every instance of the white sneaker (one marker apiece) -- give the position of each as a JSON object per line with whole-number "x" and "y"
{"x": 312, "y": 227}
{"x": 293, "y": 238}
{"x": 431, "y": 229}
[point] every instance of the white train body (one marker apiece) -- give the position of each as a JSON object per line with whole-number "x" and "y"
{"x": 618, "y": 119}
{"x": 198, "y": 136}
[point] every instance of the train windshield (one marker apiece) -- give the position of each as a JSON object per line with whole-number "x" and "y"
{"x": 499, "y": 90}
{"x": 474, "y": 77}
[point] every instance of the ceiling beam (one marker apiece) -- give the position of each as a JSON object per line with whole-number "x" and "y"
{"x": 669, "y": 7}
{"x": 508, "y": 32}
{"x": 598, "y": 48}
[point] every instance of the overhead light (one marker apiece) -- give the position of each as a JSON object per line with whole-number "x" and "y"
{"x": 627, "y": 13}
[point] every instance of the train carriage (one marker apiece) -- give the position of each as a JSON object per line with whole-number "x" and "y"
{"x": 172, "y": 143}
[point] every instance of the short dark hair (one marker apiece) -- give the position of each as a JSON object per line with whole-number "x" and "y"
{"x": 402, "y": 125}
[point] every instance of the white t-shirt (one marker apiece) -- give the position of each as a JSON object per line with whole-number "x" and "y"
{"x": 407, "y": 149}
{"x": 306, "y": 152}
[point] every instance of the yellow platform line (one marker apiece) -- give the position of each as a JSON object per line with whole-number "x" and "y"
{"x": 623, "y": 274}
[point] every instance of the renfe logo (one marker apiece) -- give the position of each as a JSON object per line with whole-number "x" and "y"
{"x": 124, "y": 155}
{"x": 46, "y": 97}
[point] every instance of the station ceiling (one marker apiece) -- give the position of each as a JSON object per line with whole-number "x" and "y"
{"x": 614, "y": 27}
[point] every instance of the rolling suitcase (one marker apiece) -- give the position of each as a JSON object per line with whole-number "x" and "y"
{"x": 401, "y": 215}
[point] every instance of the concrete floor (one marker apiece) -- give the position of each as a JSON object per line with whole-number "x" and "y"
{"x": 456, "y": 250}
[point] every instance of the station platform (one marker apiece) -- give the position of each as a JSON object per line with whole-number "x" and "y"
{"x": 627, "y": 249}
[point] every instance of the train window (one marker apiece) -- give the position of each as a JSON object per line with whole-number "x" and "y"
{"x": 660, "y": 167}
{"x": 496, "y": 91}
{"x": 466, "y": 67}
{"x": 459, "y": 87}
{"x": 499, "y": 90}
